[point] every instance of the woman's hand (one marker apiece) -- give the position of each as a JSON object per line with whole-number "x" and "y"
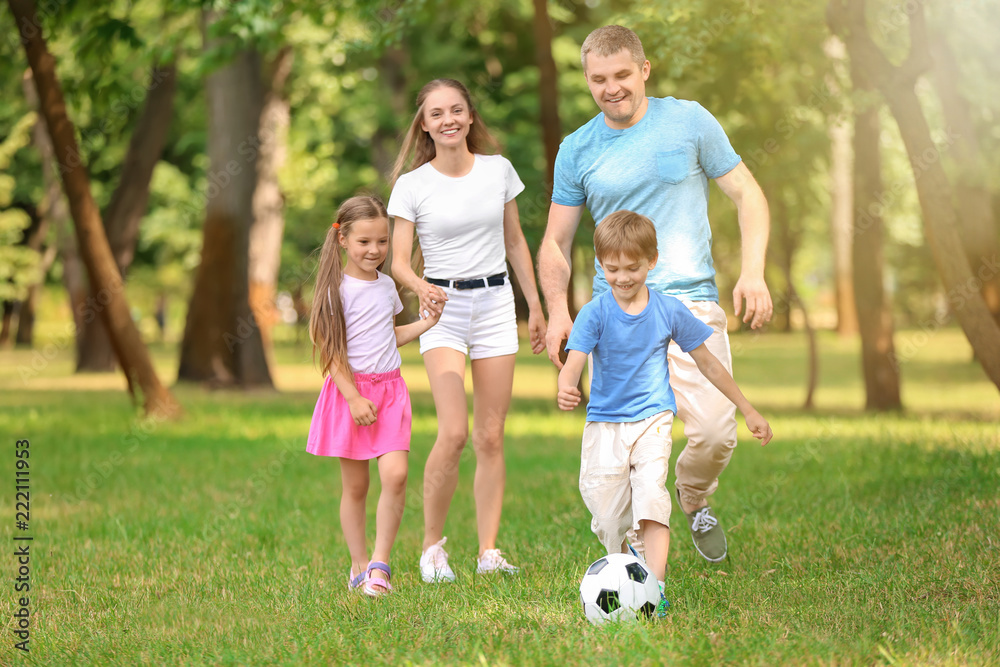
{"x": 432, "y": 298}
{"x": 536, "y": 329}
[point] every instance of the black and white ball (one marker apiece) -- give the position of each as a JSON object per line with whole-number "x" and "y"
{"x": 618, "y": 587}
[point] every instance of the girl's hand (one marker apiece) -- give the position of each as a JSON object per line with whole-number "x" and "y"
{"x": 431, "y": 298}
{"x": 536, "y": 329}
{"x": 759, "y": 427}
{"x": 362, "y": 410}
{"x": 568, "y": 397}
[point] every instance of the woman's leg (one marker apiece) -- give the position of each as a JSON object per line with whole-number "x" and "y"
{"x": 492, "y": 381}
{"x": 446, "y": 372}
{"x": 354, "y": 479}
{"x": 392, "y": 469}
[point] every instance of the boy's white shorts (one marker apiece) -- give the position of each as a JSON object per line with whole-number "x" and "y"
{"x": 623, "y": 475}
{"x": 478, "y": 322}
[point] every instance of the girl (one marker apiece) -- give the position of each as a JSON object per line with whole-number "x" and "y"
{"x": 460, "y": 202}
{"x": 363, "y": 411}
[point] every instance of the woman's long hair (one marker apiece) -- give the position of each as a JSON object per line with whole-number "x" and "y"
{"x": 418, "y": 142}
{"x": 327, "y": 326}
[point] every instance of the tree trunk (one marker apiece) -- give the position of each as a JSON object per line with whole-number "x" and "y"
{"x": 780, "y": 210}
{"x": 129, "y": 201}
{"x": 268, "y": 202}
{"x": 841, "y": 198}
{"x": 222, "y": 343}
{"x": 973, "y": 198}
{"x": 110, "y": 303}
{"x": 941, "y": 226}
{"x": 548, "y": 89}
{"x": 878, "y": 353}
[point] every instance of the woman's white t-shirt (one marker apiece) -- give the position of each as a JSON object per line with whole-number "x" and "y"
{"x": 459, "y": 221}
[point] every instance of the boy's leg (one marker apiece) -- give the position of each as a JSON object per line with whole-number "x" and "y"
{"x": 392, "y": 469}
{"x": 604, "y": 482}
{"x": 650, "y": 461}
{"x": 354, "y": 481}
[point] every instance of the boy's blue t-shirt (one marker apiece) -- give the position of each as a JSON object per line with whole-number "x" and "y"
{"x": 660, "y": 168}
{"x": 631, "y": 378}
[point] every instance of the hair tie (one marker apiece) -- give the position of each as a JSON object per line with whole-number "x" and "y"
{"x": 336, "y": 225}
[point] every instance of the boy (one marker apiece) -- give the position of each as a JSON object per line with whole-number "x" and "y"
{"x": 626, "y": 441}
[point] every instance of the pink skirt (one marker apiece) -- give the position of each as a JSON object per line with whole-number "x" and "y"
{"x": 334, "y": 433}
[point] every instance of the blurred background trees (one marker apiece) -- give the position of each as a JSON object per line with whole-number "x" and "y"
{"x": 220, "y": 137}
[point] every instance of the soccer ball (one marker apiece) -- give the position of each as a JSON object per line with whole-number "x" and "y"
{"x": 617, "y": 587}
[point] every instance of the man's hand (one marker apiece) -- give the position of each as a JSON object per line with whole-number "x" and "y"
{"x": 559, "y": 327}
{"x": 759, "y": 307}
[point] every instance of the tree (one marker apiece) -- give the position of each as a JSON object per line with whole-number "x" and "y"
{"x": 961, "y": 280}
{"x": 110, "y": 304}
{"x": 222, "y": 341}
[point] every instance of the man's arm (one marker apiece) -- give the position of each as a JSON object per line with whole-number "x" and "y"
{"x": 554, "y": 272}
{"x": 755, "y": 225}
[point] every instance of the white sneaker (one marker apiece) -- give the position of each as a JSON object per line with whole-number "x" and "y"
{"x": 434, "y": 564}
{"x": 493, "y": 561}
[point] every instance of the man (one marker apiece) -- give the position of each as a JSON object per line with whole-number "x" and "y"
{"x": 654, "y": 156}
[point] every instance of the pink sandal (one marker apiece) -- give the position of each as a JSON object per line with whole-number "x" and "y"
{"x": 377, "y": 586}
{"x": 355, "y": 583}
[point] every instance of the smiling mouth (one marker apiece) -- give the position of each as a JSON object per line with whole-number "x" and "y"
{"x": 616, "y": 100}
{"x": 450, "y": 133}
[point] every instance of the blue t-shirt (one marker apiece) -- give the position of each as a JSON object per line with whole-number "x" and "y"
{"x": 631, "y": 378}
{"x": 660, "y": 168}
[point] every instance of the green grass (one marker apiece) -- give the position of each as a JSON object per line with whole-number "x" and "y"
{"x": 855, "y": 538}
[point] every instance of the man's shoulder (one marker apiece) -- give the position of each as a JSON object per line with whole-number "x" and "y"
{"x": 676, "y": 108}
{"x": 585, "y": 132}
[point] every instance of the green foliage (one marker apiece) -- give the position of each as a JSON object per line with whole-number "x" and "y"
{"x": 18, "y": 263}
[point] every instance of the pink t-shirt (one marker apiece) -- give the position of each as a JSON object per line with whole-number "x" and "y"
{"x": 369, "y": 307}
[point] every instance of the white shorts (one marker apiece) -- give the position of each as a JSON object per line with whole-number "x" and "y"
{"x": 623, "y": 475}
{"x": 478, "y": 322}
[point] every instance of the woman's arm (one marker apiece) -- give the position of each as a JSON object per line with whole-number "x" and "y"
{"x": 520, "y": 260}
{"x": 431, "y": 297}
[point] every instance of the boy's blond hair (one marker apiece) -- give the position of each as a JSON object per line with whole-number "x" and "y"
{"x": 625, "y": 233}
{"x": 611, "y": 39}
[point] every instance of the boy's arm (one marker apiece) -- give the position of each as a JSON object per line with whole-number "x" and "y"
{"x": 712, "y": 368}
{"x": 410, "y": 332}
{"x": 569, "y": 378}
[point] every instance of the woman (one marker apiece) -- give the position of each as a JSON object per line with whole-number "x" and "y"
{"x": 460, "y": 202}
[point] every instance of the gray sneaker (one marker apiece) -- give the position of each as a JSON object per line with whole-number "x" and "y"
{"x": 706, "y": 533}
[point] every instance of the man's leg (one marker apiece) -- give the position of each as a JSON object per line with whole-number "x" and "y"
{"x": 710, "y": 426}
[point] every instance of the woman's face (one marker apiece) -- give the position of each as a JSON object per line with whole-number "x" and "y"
{"x": 447, "y": 117}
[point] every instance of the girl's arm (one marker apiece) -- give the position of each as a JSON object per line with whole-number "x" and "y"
{"x": 520, "y": 259}
{"x": 569, "y": 378}
{"x": 362, "y": 410}
{"x": 431, "y": 297}
{"x": 712, "y": 368}
{"x": 410, "y": 332}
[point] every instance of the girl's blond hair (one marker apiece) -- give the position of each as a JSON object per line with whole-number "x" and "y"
{"x": 418, "y": 142}
{"x": 327, "y": 326}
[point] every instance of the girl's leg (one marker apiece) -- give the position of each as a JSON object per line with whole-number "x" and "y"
{"x": 392, "y": 469}
{"x": 354, "y": 479}
{"x": 492, "y": 381}
{"x": 446, "y": 372}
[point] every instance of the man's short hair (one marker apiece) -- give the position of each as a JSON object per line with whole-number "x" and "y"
{"x": 625, "y": 233}
{"x": 611, "y": 39}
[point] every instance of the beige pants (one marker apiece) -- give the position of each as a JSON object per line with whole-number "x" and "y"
{"x": 709, "y": 417}
{"x": 623, "y": 475}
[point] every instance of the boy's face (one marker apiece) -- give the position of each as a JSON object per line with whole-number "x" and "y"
{"x": 626, "y": 275}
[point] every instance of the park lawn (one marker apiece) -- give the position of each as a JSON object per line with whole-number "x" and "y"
{"x": 854, "y": 538}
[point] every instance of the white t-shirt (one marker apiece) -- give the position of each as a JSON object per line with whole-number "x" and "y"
{"x": 459, "y": 221}
{"x": 369, "y": 306}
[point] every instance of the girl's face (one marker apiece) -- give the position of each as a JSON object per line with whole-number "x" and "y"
{"x": 447, "y": 117}
{"x": 367, "y": 244}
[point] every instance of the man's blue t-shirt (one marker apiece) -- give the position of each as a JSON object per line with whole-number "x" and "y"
{"x": 660, "y": 168}
{"x": 631, "y": 378}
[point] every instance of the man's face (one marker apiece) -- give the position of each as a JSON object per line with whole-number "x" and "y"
{"x": 618, "y": 85}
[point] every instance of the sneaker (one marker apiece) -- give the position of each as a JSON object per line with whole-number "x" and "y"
{"x": 434, "y": 564}
{"x": 706, "y": 533}
{"x": 493, "y": 561}
{"x": 662, "y": 606}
